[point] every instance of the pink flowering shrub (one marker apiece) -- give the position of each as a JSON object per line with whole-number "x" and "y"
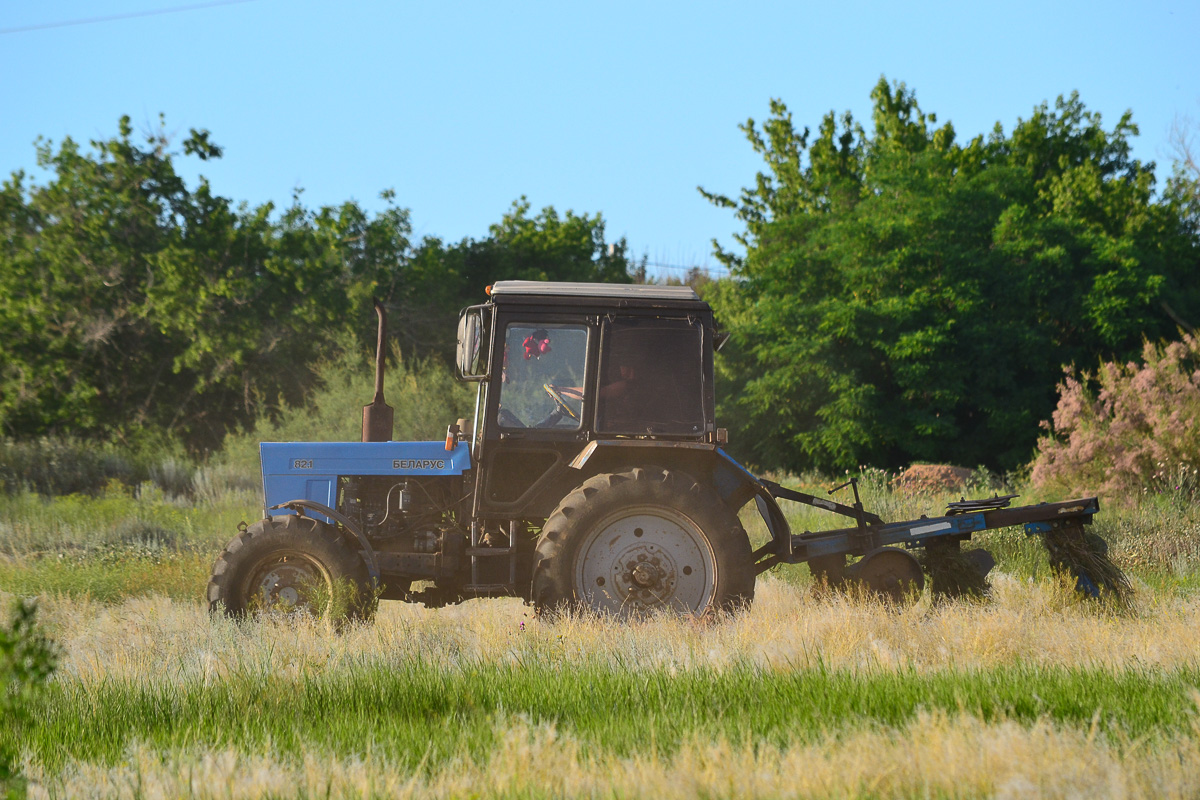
{"x": 1139, "y": 433}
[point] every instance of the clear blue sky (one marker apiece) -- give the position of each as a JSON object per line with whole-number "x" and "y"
{"x": 622, "y": 108}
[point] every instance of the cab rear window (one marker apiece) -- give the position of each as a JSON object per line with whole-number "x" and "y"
{"x": 651, "y": 377}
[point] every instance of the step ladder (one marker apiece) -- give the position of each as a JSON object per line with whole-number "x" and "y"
{"x": 477, "y": 551}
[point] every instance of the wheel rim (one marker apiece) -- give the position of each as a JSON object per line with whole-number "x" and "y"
{"x": 285, "y": 582}
{"x": 645, "y": 559}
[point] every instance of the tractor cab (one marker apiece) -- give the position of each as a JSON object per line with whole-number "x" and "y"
{"x": 561, "y": 366}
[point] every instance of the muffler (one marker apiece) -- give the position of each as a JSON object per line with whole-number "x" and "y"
{"x": 378, "y": 417}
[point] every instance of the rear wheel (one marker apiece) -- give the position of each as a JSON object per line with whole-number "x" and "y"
{"x": 647, "y": 539}
{"x": 290, "y": 565}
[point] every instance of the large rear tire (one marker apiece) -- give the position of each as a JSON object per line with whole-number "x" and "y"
{"x": 647, "y": 539}
{"x": 290, "y": 564}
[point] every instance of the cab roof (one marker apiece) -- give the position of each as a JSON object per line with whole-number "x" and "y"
{"x": 605, "y": 291}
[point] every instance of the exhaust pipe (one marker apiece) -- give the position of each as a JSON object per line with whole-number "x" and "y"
{"x": 377, "y": 417}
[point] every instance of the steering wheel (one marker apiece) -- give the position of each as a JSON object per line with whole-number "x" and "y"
{"x": 559, "y": 401}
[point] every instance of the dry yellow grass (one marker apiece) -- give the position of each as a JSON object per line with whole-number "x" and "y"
{"x": 935, "y": 755}
{"x": 154, "y": 639}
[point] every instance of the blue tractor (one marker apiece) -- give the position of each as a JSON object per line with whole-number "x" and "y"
{"x": 592, "y": 475}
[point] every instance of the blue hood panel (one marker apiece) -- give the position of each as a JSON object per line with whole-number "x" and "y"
{"x": 364, "y": 458}
{"x": 309, "y": 470}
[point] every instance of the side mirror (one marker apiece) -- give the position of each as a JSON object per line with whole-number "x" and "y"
{"x": 471, "y": 358}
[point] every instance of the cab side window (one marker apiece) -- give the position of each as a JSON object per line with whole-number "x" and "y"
{"x": 651, "y": 377}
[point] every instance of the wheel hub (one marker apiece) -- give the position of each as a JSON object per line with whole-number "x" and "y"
{"x": 643, "y": 560}
{"x": 283, "y": 585}
{"x": 645, "y": 575}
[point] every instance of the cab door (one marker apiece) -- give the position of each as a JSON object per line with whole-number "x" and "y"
{"x": 539, "y": 411}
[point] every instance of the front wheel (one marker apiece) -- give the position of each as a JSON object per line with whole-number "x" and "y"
{"x": 647, "y": 539}
{"x": 290, "y": 564}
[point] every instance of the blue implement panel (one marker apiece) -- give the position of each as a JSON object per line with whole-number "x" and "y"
{"x": 309, "y": 470}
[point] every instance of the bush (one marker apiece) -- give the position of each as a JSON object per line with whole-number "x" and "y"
{"x": 27, "y": 659}
{"x": 1137, "y": 433}
{"x": 61, "y": 466}
{"x": 65, "y": 466}
{"x": 425, "y": 395}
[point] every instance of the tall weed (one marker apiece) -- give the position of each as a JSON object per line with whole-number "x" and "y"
{"x": 65, "y": 466}
{"x": 934, "y": 755}
{"x": 842, "y": 697}
{"x": 116, "y": 520}
{"x": 27, "y": 660}
{"x": 1137, "y": 434}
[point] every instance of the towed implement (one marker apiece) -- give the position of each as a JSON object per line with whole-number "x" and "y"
{"x": 591, "y": 475}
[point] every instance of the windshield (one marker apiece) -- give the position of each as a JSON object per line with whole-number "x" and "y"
{"x": 543, "y": 377}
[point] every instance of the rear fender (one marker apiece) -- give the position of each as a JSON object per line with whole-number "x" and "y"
{"x": 707, "y": 463}
{"x": 740, "y": 481}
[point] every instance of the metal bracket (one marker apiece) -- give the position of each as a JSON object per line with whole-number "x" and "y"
{"x": 856, "y": 513}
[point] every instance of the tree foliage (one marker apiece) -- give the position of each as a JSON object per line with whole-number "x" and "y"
{"x": 442, "y": 278}
{"x": 906, "y": 297}
{"x": 131, "y": 302}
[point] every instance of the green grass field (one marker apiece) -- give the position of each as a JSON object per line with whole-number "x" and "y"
{"x": 421, "y": 715}
{"x": 1031, "y": 692}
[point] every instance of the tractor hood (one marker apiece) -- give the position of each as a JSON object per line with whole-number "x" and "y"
{"x": 309, "y": 470}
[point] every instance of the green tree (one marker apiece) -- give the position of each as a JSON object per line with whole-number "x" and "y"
{"x": 128, "y": 301}
{"x": 441, "y": 279}
{"x": 71, "y": 311}
{"x": 905, "y": 297}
